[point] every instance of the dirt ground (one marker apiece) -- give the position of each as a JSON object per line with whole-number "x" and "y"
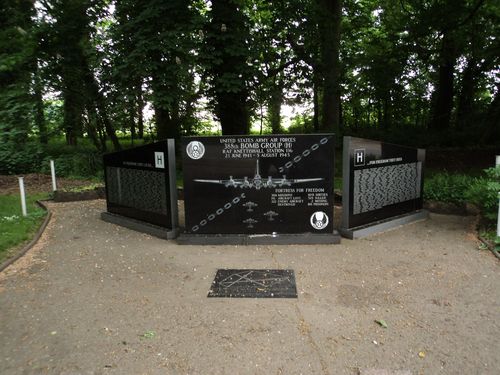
{"x": 95, "y": 298}
{"x": 37, "y": 183}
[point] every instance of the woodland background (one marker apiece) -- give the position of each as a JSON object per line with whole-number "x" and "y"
{"x": 82, "y": 77}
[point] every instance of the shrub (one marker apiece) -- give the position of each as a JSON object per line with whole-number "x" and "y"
{"x": 16, "y": 158}
{"x": 78, "y": 164}
{"x": 484, "y": 193}
{"x": 448, "y": 187}
{"x": 32, "y": 157}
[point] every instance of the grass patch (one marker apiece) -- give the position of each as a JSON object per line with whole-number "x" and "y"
{"x": 14, "y": 228}
{"x": 489, "y": 234}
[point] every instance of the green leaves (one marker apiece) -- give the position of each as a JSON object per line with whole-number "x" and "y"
{"x": 148, "y": 335}
{"x": 484, "y": 194}
{"x": 449, "y": 187}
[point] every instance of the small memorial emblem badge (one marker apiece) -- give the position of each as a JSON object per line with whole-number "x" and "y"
{"x": 195, "y": 150}
{"x": 159, "y": 160}
{"x": 319, "y": 220}
{"x": 359, "y": 157}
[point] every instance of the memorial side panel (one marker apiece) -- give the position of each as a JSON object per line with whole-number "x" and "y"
{"x": 385, "y": 181}
{"x": 137, "y": 183}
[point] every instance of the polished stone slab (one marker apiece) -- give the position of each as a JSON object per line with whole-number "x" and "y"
{"x": 253, "y": 283}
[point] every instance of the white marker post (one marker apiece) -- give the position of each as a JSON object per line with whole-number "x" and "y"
{"x": 53, "y": 172}
{"x": 498, "y": 216}
{"x": 23, "y": 196}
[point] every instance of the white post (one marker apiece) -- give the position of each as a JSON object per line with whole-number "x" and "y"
{"x": 23, "y": 196}
{"x": 498, "y": 216}
{"x": 53, "y": 172}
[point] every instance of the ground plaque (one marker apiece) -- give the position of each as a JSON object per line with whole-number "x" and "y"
{"x": 382, "y": 186}
{"x": 253, "y": 283}
{"x": 259, "y": 189}
{"x": 141, "y": 190}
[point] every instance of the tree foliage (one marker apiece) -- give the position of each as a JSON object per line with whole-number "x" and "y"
{"x": 98, "y": 69}
{"x": 17, "y": 54}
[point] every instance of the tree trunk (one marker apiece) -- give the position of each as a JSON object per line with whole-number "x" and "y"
{"x": 443, "y": 95}
{"x": 341, "y": 113}
{"x": 166, "y": 114}
{"x": 131, "y": 120}
{"x": 102, "y": 138}
{"x": 72, "y": 116}
{"x": 228, "y": 37}
{"x": 466, "y": 98}
{"x": 316, "y": 88}
{"x": 92, "y": 128}
{"x": 167, "y": 123}
{"x": 275, "y": 101}
{"x": 100, "y": 104}
{"x": 356, "y": 113}
{"x": 161, "y": 120}
{"x": 71, "y": 33}
{"x": 39, "y": 113}
{"x": 387, "y": 111}
{"x": 231, "y": 109}
{"x": 329, "y": 20}
{"x": 493, "y": 117}
{"x": 110, "y": 131}
{"x": 380, "y": 117}
{"x": 140, "y": 115}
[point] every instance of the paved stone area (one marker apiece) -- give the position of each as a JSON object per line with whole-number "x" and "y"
{"x": 94, "y": 298}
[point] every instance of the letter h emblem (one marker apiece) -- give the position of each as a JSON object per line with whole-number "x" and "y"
{"x": 359, "y": 157}
{"x": 159, "y": 160}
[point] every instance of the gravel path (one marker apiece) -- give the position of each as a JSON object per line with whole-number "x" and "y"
{"x": 94, "y": 298}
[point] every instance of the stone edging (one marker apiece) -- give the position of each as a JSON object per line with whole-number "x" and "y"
{"x": 32, "y": 243}
{"x": 489, "y": 245}
{"x": 76, "y": 196}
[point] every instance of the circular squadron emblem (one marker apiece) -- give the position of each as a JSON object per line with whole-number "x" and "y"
{"x": 319, "y": 220}
{"x": 195, "y": 150}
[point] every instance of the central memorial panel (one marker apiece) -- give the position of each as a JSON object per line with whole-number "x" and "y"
{"x": 258, "y": 185}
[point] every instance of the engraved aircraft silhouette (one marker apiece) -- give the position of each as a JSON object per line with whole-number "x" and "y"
{"x": 257, "y": 182}
{"x": 250, "y": 206}
{"x": 250, "y": 222}
{"x": 270, "y": 215}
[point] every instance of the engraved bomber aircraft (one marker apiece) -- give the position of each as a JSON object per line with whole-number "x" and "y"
{"x": 250, "y": 222}
{"x": 250, "y": 205}
{"x": 270, "y": 215}
{"x": 257, "y": 182}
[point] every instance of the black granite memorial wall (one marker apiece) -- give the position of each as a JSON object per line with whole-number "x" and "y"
{"x": 273, "y": 184}
{"x": 140, "y": 183}
{"x": 380, "y": 181}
